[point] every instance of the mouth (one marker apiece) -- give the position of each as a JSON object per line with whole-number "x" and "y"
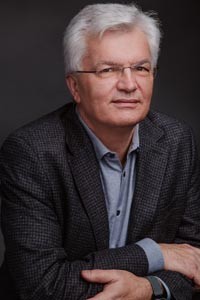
{"x": 127, "y": 103}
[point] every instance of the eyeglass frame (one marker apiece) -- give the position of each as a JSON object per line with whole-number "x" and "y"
{"x": 117, "y": 68}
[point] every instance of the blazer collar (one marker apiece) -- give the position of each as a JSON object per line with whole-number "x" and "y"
{"x": 85, "y": 170}
{"x": 151, "y": 166}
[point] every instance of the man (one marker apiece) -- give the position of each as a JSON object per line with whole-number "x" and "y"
{"x": 100, "y": 199}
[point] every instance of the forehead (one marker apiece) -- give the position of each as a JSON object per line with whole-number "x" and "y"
{"x": 118, "y": 47}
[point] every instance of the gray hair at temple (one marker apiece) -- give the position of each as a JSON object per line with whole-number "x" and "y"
{"x": 96, "y": 19}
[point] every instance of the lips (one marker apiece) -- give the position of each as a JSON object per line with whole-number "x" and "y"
{"x": 126, "y": 101}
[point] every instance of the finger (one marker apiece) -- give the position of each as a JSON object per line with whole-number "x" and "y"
{"x": 99, "y": 276}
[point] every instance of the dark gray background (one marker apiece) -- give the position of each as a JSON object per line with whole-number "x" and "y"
{"x": 31, "y": 62}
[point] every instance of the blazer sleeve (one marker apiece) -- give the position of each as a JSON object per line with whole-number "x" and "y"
{"x": 189, "y": 229}
{"x": 36, "y": 258}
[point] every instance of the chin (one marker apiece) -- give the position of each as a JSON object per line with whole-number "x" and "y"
{"x": 130, "y": 120}
{"x": 124, "y": 123}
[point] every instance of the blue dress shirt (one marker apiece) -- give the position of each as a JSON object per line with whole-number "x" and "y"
{"x": 118, "y": 185}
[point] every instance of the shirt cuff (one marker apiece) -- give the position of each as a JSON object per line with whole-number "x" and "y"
{"x": 153, "y": 253}
{"x": 166, "y": 288}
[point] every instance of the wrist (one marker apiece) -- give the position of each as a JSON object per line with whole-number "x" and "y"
{"x": 148, "y": 289}
{"x": 166, "y": 255}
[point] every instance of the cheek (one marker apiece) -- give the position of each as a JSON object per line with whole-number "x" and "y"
{"x": 101, "y": 93}
{"x": 146, "y": 89}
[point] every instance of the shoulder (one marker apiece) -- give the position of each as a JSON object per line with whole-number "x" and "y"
{"x": 171, "y": 127}
{"x": 44, "y": 131}
{"x": 168, "y": 133}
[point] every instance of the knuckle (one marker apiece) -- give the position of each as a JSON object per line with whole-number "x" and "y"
{"x": 186, "y": 246}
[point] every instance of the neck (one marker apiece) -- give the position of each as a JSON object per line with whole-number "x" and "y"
{"x": 117, "y": 140}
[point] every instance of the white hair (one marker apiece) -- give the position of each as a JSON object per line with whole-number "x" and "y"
{"x": 96, "y": 19}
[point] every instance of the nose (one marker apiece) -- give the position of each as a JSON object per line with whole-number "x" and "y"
{"x": 127, "y": 81}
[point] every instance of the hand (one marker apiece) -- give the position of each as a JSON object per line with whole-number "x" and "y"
{"x": 119, "y": 285}
{"x": 182, "y": 258}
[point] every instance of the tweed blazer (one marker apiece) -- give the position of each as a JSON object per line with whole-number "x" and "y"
{"x": 54, "y": 217}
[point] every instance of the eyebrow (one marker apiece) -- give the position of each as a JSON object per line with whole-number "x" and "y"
{"x": 111, "y": 63}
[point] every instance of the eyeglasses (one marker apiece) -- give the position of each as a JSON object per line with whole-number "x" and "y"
{"x": 140, "y": 70}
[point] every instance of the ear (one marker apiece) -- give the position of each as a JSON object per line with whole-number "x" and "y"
{"x": 72, "y": 83}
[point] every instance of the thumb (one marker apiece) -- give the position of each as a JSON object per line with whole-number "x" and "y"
{"x": 98, "y": 276}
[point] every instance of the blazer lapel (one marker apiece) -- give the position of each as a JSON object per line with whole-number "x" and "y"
{"x": 85, "y": 169}
{"x": 151, "y": 165}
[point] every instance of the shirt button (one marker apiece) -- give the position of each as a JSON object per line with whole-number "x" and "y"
{"x": 118, "y": 212}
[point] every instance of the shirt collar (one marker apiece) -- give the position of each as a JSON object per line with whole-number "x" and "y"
{"x": 100, "y": 149}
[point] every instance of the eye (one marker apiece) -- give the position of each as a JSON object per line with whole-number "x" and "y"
{"x": 142, "y": 69}
{"x": 107, "y": 70}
